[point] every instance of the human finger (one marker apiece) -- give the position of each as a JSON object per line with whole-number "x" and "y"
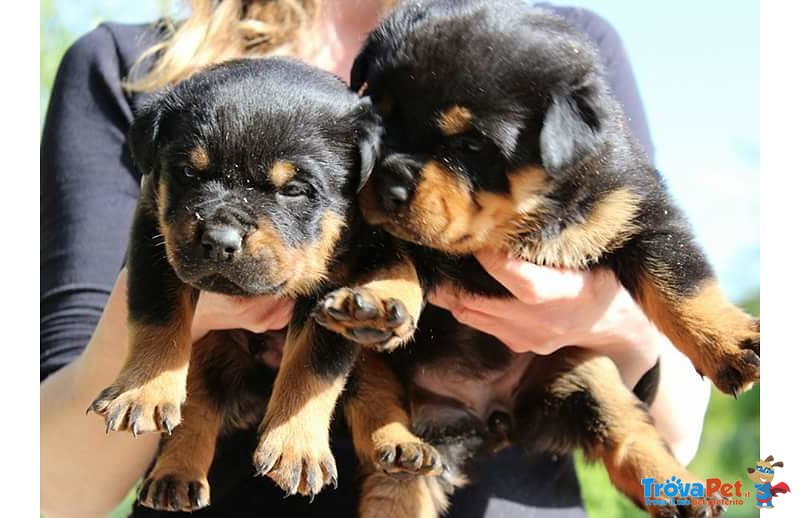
{"x": 447, "y": 297}
{"x": 532, "y": 283}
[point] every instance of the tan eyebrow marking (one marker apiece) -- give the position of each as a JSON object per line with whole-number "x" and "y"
{"x": 281, "y": 172}
{"x": 455, "y": 120}
{"x": 198, "y": 157}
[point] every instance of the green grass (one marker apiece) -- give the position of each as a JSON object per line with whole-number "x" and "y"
{"x": 124, "y": 508}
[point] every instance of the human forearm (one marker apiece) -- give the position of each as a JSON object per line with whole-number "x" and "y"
{"x": 681, "y": 398}
{"x": 681, "y": 402}
{"x": 85, "y": 472}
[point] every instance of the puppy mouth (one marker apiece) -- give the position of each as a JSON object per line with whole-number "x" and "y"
{"x": 406, "y": 234}
{"x": 374, "y": 216}
{"x": 393, "y": 225}
{"x": 404, "y": 227}
{"x": 461, "y": 244}
{"x": 218, "y": 283}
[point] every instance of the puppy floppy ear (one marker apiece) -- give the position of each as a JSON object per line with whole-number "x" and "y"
{"x": 572, "y": 127}
{"x": 143, "y": 135}
{"x": 370, "y": 132}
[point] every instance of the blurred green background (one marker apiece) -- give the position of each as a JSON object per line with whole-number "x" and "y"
{"x": 730, "y": 439}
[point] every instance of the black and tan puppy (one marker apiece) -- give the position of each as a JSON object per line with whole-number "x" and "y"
{"x": 522, "y": 149}
{"x": 251, "y": 171}
{"x": 500, "y": 133}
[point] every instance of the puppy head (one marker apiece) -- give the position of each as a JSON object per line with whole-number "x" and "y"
{"x": 252, "y": 167}
{"x": 488, "y": 106}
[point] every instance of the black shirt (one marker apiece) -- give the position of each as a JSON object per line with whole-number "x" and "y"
{"x": 89, "y": 188}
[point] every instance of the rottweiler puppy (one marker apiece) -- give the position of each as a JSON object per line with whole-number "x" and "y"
{"x": 250, "y": 174}
{"x": 501, "y": 133}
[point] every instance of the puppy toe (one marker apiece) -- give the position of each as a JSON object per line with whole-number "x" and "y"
{"x": 365, "y": 317}
{"x": 173, "y": 492}
{"x": 408, "y": 459}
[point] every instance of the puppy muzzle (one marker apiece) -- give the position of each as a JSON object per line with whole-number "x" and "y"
{"x": 395, "y": 182}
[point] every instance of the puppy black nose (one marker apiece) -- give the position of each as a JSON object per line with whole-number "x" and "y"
{"x": 394, "y": 198}
{"x": 221, "y": 243}
{"x": 395, "y": 182}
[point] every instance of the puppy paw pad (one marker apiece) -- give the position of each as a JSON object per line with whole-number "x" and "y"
{"x": 172, "y": 492}
{"x": 409, "y": 459}
{"x": 365, "y": 318}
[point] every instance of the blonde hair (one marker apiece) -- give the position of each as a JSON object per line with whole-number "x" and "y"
{"x": 218, "y": 30}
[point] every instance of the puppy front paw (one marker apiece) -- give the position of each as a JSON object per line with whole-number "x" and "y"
{"x": 738, "y": 365}
{"x": 408, "y": 459}
{"x": 366, "y": 318}
{"x": 296, "y": 458}
{"x": 174, "y": 492}
{"x": 150, "y": 406}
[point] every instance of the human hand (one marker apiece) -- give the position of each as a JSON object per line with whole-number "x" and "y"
{"x": 256, "y": 314}
{"x": 553, "y": 308}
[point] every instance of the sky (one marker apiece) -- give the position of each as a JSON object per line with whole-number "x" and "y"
{"x": 697, "y": 68}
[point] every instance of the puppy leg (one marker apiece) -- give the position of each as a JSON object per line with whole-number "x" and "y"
{"x": 294, "y": 447}
{"x": 577, "y": 399}
{"x": 147, "y": 394}
{"x": 385, "y": 496}
{"x": 674, "y": 284}
{"x": 379, "y": 423}
{"x": 381, "y": 312}
{"x": 178, "y": 481}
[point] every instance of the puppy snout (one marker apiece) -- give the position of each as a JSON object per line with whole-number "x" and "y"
{"x": 396, "y": 183}
{"x": 222, "y": 243}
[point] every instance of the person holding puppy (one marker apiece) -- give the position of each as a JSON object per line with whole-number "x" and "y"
{"x": 90, "y": 188}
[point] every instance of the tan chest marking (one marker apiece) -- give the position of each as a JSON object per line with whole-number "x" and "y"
{"x": 610, "y": 223}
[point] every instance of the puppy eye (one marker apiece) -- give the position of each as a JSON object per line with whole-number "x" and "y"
{"x": 469, "y": 144}
{"x": 189, "y": 173}
{"x": 294, "y": 190}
